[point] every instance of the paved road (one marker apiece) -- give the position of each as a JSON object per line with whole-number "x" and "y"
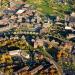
{"x": 50, "y": 59}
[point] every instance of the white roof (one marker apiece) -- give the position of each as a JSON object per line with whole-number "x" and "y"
{"x": 59, "y": 23}
{"x": 33, "y": 40}
{"x": 27, "y": 56}
{"x": 68, "y": 28}
{"x": 15, "y": 52}
{"x": 20, "y": 11}
{"x": 73, "y": 14}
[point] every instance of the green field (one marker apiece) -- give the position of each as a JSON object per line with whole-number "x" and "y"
{"x": 50, "y": 7}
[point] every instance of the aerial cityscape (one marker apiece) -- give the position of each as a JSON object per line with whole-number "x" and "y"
{"x": 37, "y": 37}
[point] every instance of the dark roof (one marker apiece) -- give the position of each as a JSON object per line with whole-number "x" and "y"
{"x": 12, "y": 48}
{"x": 73, "y": 50}
{"x": 72, "y": 39}
{"x": 72, "y": 19}
{"x": 8, "y": 12}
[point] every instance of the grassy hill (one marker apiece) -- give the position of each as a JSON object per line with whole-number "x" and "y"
{"x": 50, "y": 7}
